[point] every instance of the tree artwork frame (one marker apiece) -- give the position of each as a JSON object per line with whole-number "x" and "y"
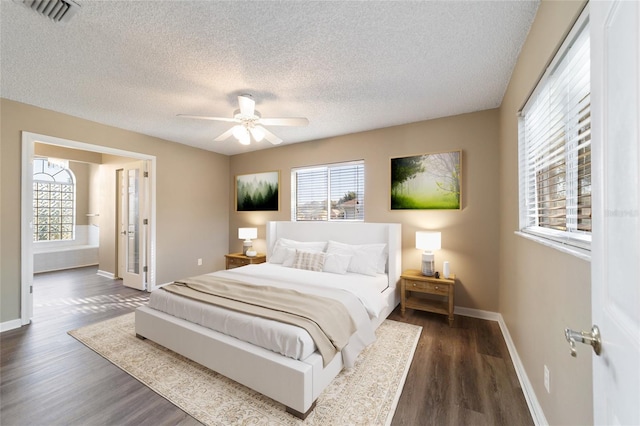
{"x": 257, "y": 192}
{"x": 427, "y": 181}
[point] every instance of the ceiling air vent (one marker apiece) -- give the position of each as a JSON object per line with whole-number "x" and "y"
{"x": 56, "y": 10}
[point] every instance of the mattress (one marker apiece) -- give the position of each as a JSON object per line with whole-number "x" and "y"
{"x": 361, "y": 293}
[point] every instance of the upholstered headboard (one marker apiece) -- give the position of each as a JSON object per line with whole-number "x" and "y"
{"x": 345, "y": 232}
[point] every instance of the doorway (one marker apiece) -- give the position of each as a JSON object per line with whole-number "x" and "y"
{"x": 28, "y": 142}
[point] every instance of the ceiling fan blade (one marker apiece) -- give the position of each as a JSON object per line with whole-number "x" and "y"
{"x": 202, "y": 117}
{"x": 247, "y": 105}
{"x": 225, "y": 135}
{"x": 271, "y": 137}
{"x": 291, "y": 121}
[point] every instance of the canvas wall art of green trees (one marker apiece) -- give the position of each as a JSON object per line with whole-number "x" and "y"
{"x": 257, "y": 192}
{"x": 427, "y": 181}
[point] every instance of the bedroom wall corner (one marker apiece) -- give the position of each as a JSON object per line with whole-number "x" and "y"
{"x": 542, "y": 290}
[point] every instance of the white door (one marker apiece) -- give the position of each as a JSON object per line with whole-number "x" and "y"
{"x": 615, "y": 264}
{"x": 133, "y": 233}
{"x": 120, "y": 225}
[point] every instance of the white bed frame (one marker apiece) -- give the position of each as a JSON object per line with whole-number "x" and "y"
{"x": 296, "y": 384}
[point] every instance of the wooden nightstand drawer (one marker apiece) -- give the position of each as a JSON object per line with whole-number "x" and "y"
{"x": 235, "y": 260}
{"x": 426, "y": 287}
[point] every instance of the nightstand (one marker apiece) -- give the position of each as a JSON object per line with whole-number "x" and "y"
{"x": 413, "y": 284}
{"x": 235, "y": 260}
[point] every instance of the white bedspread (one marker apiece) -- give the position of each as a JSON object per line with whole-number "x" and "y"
{"x": 362, "y": 297}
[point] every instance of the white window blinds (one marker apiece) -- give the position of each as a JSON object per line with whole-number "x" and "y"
{"x": 331, "y": 192}
{"x": 555, "y": 147}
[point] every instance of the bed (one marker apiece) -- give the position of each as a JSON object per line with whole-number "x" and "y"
{"x": 294, "y": 379}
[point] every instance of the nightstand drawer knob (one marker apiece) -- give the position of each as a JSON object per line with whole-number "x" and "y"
{"x": 436, "y": 287}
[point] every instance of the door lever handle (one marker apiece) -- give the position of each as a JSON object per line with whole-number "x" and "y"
{"x": 587, "y": 337}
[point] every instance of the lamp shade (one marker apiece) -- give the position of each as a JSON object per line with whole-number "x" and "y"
{"x": 247, "y": 233}
{"x": 428, "y": 241}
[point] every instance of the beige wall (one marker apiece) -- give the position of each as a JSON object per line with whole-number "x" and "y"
{"x": 469, "y": 235}
{"x": 82, "y": 175}
{"x": 95, "y": 192}
{"x": 542, "y": 290}
{"x": 46, "y": 150}
{"x": 191, "y": 197}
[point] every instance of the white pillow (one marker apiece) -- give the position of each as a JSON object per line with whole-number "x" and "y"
{"x": 281, "y": 254}
{"x": 336, "y": 263}
{"x": 284, "y": 249}
{"x": 366, "y": 258}
{"x": 302, "y": 245}
{"x": 309, "y": 260}
{"x": 382, "y": 262}
{"x": 290, "y": 258}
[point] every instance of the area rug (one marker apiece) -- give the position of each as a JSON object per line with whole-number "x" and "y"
{"x": 364, "y": 395}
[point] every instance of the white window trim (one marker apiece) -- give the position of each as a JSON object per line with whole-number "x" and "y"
{"x": 564, "y": 248}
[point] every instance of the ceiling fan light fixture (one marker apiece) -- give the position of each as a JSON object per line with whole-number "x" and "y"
{"x": 258, "y": 133}
{"x": 239, "y": 131}
{"x": 245, "y": 139}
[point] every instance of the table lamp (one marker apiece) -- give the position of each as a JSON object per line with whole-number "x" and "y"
{"x": 428, "y": 241}
{"x": 247, "y": 234}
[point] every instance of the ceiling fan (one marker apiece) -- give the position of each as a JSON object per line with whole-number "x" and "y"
{"x": 249, "y": 123}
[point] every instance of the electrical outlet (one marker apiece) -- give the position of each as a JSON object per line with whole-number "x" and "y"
{"x": 546, "y": 379}
{"x": 199, "y": 262}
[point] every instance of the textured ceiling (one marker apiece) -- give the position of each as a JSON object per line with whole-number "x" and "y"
{"x": 348, "y": 66}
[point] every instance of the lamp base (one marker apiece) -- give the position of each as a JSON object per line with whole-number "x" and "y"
{"x": 246, "y": 245}
{"x": 428, "y": 265}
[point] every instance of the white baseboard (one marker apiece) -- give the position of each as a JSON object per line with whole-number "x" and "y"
{"x": 106, "y": 274}
{"x": 64, "y": 268}
{"x": 530, "y": 396}
{"x": 10, "y": 325}
{"x": 477, "y": 313}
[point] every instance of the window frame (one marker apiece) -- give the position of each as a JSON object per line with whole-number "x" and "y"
{"x": 327, "y": 169}
{"x": 572, "y": 240}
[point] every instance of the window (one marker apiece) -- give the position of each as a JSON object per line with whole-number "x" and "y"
{"x": 330, "y": 192}
{"x": 53, "y": 200}
{"x": 555, "y": 147}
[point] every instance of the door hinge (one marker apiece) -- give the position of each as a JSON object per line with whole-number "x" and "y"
{"x": 146, "y": 174}
{"x": 145, "y": 221}
{"x": 144, "y": 269}
{"x": 31, "y": 289}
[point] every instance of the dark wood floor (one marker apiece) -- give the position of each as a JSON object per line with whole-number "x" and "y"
{"x": 459, "y": 376}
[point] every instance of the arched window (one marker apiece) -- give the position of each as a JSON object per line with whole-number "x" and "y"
{"x": 53, "y": 200}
